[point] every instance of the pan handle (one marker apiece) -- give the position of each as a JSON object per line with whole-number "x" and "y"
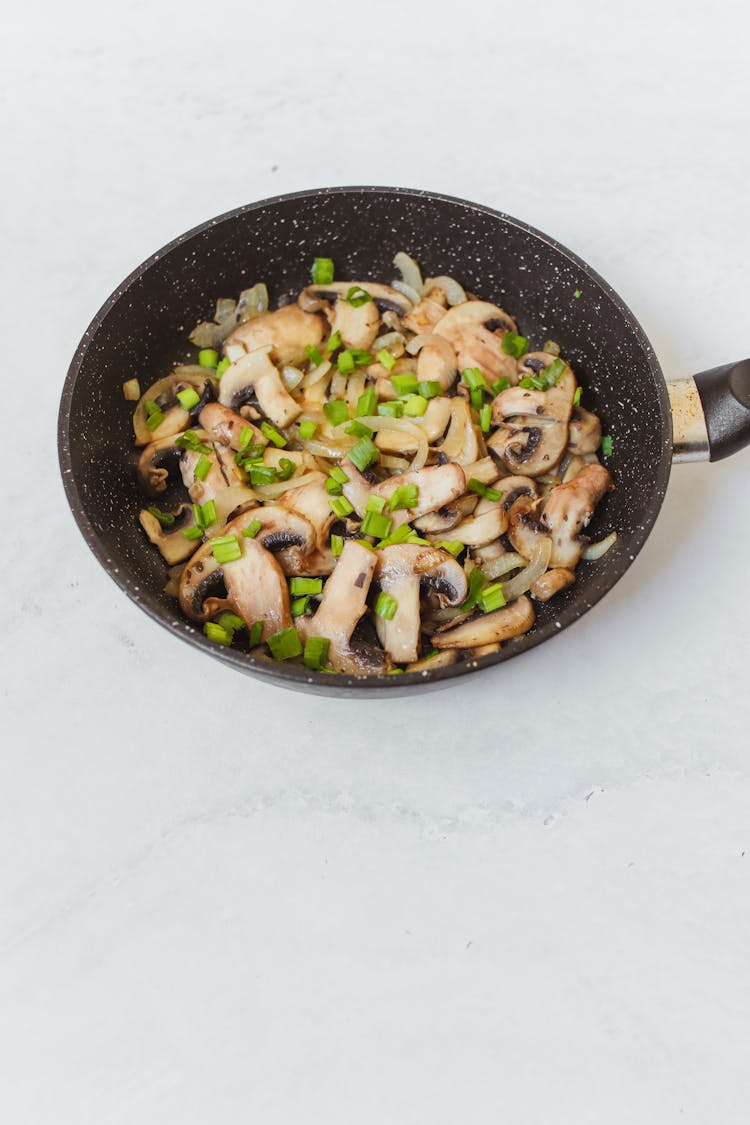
{"x": 711, "y": 413}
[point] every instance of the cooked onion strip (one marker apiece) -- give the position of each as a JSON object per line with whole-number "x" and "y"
{"x": 411, "y": 274}
{"x": 596, "y": 550}
{"x": 375, "y": 422}
{"x": 503, "y": 564}
{"x": 527, "y": 577}
{"x": 454, "y": 292}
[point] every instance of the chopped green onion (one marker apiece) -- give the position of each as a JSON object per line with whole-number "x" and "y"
{"x": 322, "y": 271}
{"x": 577, "y": 396}
{"x": 198, "y": 515}
{"x": 316, "y": 652}
{"x": 358, "y": 429}
{"x": 336, "y": 411}
{"x": 252, "y": 529}
{"x": 474, "y": 379}
{"x": 285, "y": 469}
{"x": 190, "y": 440}
{"x": 338, "y": 474}
{"x": 376, "y": 504}
{"x": 166, "y": 519}
{"x": 313, "y": 354}
{"x": 493, "y": 494}
{"x": 405, "y": 496}
{"x": 194, "y": 532}
{"x": 386, "y": 606}
{"x": 345, "y": 362}
{"x": 491, "y": 597}
{"x": 253, "y": 639}
{"x": 377, "y": 525}
{"x": 207, "y": 357}
{"x": 231, "y": 622}
{"x": 202, "y": 468}
{"x": 154, "y": 416}
{"x": 341, "y": 506}
{"x": 299, "y": 606}
{"x": 337, "y": 545}
{"x": 364, "y": 453}
{"x": 367, "y": 403}
{"x": 218, "y": 633}
{"x": 273, "y": 435}
{"x": 391, "y": 409}
{"x": 361, "y": 357}
{"x": 305, "y": 585}
{"x": 430, "y": 388}
{"x": 485, "y": 417}
{"x": 477, "y": 580}
{"x": 554, "y": 372}
{"x": 406, "y": 384}
{"x": 262, "y": 475}
{"x": 223, "y": 365}
{"x": 357, "y": 296}
{"x": 247, "y": 433}
{"x": 333, "y": 341}
{"x": 388, "y": 361}
{"x": 395, "y": 672}
{"x": 527, "y": 383}
{"x": 400, "y": 535}
{"x": 226, "y": 548}
{"x": 577, "y": 293}
{"x": 453, "y": 546}
{"x": 285, "y": 644}
{"x": 188, "y": 398}
{"x": 607, "y": 445}
{"x": 500, "y": 385}
{"x": 514, "y": 345}
{"x": 307, "y": 430}
{"x": 476, "y": 397}
{"x": 208, "y": 513}
{"x": 333, "y": 488}
{"x": 481, "y": 489}
{"x": 415, "y": 406}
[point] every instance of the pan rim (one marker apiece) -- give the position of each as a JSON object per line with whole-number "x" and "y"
{"x": 348, "y": 685}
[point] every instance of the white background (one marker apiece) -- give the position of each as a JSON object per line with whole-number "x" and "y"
{"x": 524, "y": 899}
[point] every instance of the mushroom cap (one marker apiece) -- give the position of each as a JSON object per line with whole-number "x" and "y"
{"x": 173, "y": 546}
{"x": 487, "y": 523}
{"x": 176, "y": 418}
{"x": 568, "y": 509}
{"x": 154, "y": 464}
{"x": 438, "y": 486}
{"x": 282, "y": 530}
{"x": 255, "y": 373}
{"x": 584, "y": 432}
{"x": 258, "y": 589}
{"x": 286, "y": 331}
{"x": 226, "y": 426}
{"x": 475, "y": 330}
{"x": 532, "y": 425}
{"x": 202, "y": 592}
{"x": 437, "y": 361}
{"x": 489, "y": 628}
{"x": 315, "y": 297}
{"x": 401, "y": 571}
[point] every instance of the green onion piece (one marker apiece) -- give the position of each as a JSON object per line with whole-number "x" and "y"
{"x": 198, "y": 515}
{"x": 273, "y": 435}
{"x": 345, "y": 362}
{"x": 391, "y": 409}
{"x": 190, "y": 440}
{"x": 491, "y": 597}
{"x": 285, "y": 644}
{"x": 492, "y": 494}
{"x": 478, "y": 486}
{"x": 376, "y": 525}
{"x": 405, "y": 384}
{"x": 514, "y": 345}
{"x": 231, "y": 622}
{"x": 485, "y": 417}
{"x": 188, "y": 398}
{"x": 367, "y": 403}
{"x": 223, "y": 365}
{"x": 207, "y": 357}
{"x": 415, "y": 406}
{"x": 357, "y": 296}
{"x": 405, "y": 496}
{"x": 476, "y": 397}
{"x": 217, "y": 633}
{"x": 313, "y": 355}
{"x": 208, "y": 513}
{"x": 361, "y": 358}
{"x": 285, "y": 469}
{"x": 607, "y": 445}
{"x": 247, "y": 433}
{"x": 322, "y": 271}
{"x": 339, "y": 475}
{"x": 154, "y": 416}
{"x": 430, "y": 388}
{"x": 453, "y": 546}
{"x": 337, "y": 545}
{"x": 376, "y": 504}
{"x": 316, "y": 652}
{"x": 333, "y": 341}
{"x": 577, "y": 396}
{"x": 299, "y": 606}
{"x": 202, "y": 467}
{"x": 577, "y": 293}
{"x": 364, "y": 453}
{"x": 194, "y": 532}
{"x": 402, "y": 534}
{"x": 307, "y": 430}
{"x": 395, "y": 672}
{"x": 474, "y": 379}
{"x": 554, "y": 372}
{"x": 500, "y": 385}
{"x": 386, "y": 606}
{"x": 226, "y": 548}
{"x": 527, "y": 383}
{"x": 336, "y": 411}
{"x": 341, "y": 506}
{"x": 166, "y": 519}
{"x": 262, "y": 474}
{"x": 305, "y": 585}
{"x": 252, "y": 529}
{"x": 388, "y": 361}
{"x": 358, "y": 429}
{"x": 255, "y": 634}
{"x": 333, "y": 488}
{"x": 477, "y": 580}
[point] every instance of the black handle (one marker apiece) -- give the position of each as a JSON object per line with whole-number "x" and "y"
{"x": 725, "y": 398}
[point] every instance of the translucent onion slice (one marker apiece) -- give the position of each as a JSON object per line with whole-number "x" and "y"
{"x": 398, "y": 464}
{"x": 503, "y": 564}
{"x": 395, "y": 342}
{"x": 316, "y": 374}
{"x": 411, "y": 274}
{"x": 527, "y": 577}
{"x": 272, "y": 491}
{"x": 454, "y": 292}
{"x": 291, "y": 377}
{"x": 375, "y": 422}
{"x": 596, "y": 550}
{"x": 252, "y": 302}
{"x": 331, "y": 450}
{"x": 407, "y": 291}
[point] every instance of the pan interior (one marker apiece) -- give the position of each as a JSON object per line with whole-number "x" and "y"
{"x": 142, "y": 330}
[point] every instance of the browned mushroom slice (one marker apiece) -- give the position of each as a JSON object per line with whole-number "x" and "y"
{"x": 286, "y": 332}
{"x": 155, "y": 463}
{"x": 164, "y": 394}
{"x": 202, "y": 591}
{"x": 487, "y": 523}
{"x": 524, "y": 529}
{"x": 173, "y": 546}
{"x": 312, "y": 500}
{"x": 402, "y": 571}
{"x": 533, "y": 425}
{"x": 423, "y": 317}
{"x": 431, "y": 663}
{"x": 490, "y": 628}
{"x": 222, "y": 473}
{"x": 226, "y": 426}
{"x": 437, "y": 362}
{"x": 254, "y": 373}
{"x": 257, "y": 588}
{"x": 569, "y": 508}
{"x": 282, "y": 530}
{"x": 551, "y": 583}
{"x": 585, "y": 432}
{"x": 475, "y": 330}
{"x": 438, "y": 486}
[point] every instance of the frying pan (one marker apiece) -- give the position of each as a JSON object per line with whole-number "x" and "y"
{"x": 142, "y": 330}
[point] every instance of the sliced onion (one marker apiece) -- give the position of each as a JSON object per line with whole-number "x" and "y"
{"x": 503, "y": 564}
{"x": 353, "y": 388}
{"x": 394, "y": 341}
{"x": 596, "y": 550}
{"x": 411, "y": 274}
{"x": 398, "y": 464}
{"x": 375, "y": 422}
{"x": 453, "y": 291}
{"x": 271, "y": 491}
{"x": 252, "y": 302}
{"x": 331, "y": 450}
{"x": 527, "y": 577}
{"x": 417, "y": 343}
{"x": 407, "y": 291}
{"x": 316, "y": 374}
{"x": 291, "y": 377}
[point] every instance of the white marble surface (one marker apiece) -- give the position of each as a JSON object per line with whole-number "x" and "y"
{"x": 224, "y": 903}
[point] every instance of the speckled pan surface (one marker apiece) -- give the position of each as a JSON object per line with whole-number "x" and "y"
{"x": 142, "y": 330}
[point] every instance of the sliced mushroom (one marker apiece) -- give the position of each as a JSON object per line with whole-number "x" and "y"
{"x": 524, "y": 529}
{"x": 445, "y": 519}
{"x": 255, "y": 374}
{"x": 533, "y": 425}
{"x": 460, "y": 442}
{"x": 437, "y": 361}
{"x": 424, "y": 316}
{"x": 282, "y": 530}
{"x": 173, "y": 546}
{"x": 202, "y": 591}
{"x": 438, "y": 486}
{"x": 431, "y": 663}
{"x": 258, "y": 589}
{"x": 285, "y": 332}
{"x": 568, "y": 510}
{"x": 584, "y": 432}
{"x": 164, "y": 393}
{"x": 227, "y": 427}
{"x": 311, "y": 500}
{"x": 155, "y": 463}
{"x": 475, "y": 330}
{"x": 551, "y": 582}
{"x": 490, "y": 628}
{"x": 343, "y": 603}
{"x": 484, "y": 470}
{"x": 402, "y": 570}
{"x": 488, "y": 523}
